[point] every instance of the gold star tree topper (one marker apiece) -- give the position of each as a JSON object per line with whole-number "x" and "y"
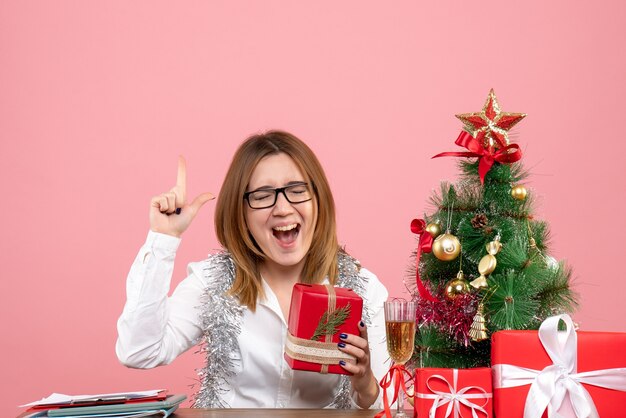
{"x": 491, "y": 125}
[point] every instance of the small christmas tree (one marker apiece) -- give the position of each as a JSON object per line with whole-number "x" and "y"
{"x": 482, "y": 258}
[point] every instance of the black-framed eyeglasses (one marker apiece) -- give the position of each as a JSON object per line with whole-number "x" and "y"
{"x": 266, "y": 198}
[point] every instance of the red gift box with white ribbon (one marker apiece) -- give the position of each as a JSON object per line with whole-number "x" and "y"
{"x": 552, "y": 373}
{"x": 454, "y": 393}
{"x": 317, "y": 315}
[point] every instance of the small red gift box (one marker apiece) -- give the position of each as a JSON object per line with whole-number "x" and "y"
{"x": 453, "y": 392}
{"x": 318, "y": 314}
{"x": 570, "y": 363}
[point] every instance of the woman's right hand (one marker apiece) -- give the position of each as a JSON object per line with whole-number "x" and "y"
{"x": 164, "y": 217}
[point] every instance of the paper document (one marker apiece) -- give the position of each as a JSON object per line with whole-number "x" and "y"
{"x": 161, "y": 413}
{"x": 59, "y": 398}
{"x": 157, "y": 413}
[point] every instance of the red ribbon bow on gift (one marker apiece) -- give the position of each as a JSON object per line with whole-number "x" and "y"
{"x": 425, "y": 244}
{"x": 454, "y": 397}
{"x": 487, "y": 156}
{"x": 394, "y": 375}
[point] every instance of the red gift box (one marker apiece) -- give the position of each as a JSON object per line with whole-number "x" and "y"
{"x": 318, "y": 314}
{"x": 453, "y": 392}
{"x": 600, "y": 353}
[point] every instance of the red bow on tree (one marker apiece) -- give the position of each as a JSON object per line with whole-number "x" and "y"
{"x": 486, "y": 155}
{"x": 425, "y": 244}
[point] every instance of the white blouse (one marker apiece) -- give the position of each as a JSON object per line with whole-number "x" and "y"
{"x": 154, "y": 329}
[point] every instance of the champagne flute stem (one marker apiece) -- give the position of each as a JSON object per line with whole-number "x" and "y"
{"x": 400, "y": 406}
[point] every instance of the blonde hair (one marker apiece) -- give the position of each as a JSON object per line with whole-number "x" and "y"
{"x": 230, "y": 224}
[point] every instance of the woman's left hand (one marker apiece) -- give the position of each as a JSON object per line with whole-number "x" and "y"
{"x": 363, "y": 380}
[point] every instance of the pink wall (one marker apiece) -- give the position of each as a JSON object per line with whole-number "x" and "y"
{"x": 98, "y": 98}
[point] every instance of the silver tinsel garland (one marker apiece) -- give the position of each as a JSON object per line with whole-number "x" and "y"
{"x": 350, "y": 278}
{"x": 221, "y": 317}
{"x": 221, "y": 321}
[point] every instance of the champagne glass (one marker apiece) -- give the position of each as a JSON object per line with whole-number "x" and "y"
{"x": 400, "y": 326}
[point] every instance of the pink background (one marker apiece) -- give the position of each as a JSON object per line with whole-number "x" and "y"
{"x": 97, "y": 99}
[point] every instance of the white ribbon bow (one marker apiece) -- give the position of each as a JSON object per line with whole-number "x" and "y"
{"x": 550, "y": 386}
{"x": 454, "y": 398}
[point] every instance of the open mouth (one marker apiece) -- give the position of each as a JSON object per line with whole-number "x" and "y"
{"x": 286, "y": 234}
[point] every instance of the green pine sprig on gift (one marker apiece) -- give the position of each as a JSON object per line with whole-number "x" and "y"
{"x": 330, "y": 323}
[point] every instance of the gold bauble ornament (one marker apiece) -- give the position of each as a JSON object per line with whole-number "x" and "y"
{"x": 457, "y": 286}
{"x": 434, "y": 229}
{"x": 446, "y": 247}
{"x": 519, "y": 192}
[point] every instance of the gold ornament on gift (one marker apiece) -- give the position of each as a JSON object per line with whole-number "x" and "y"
{"x": 478, "y": 330}
{"x": 446, "y": 247}
{"x": 434, "y": 229}
{"x": 488, "y": 263}
{"x": 457, "y": 286}
{"x": 519, "y": 192}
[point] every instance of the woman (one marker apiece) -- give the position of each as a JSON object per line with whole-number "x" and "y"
{"x": 275, "y": 218}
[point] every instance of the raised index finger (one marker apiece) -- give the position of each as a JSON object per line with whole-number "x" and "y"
{"x": 181, "y": 178}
